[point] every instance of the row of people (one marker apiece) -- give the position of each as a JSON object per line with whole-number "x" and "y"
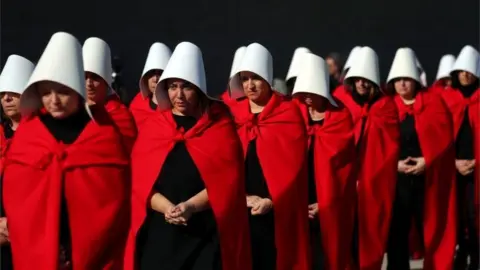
{"x": 190, "y": 182}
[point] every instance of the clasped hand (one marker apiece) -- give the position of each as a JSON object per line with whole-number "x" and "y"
{"x": 259, "y": 206}
{"x": 417, "y": 168}
{"x": 179, "y": 214}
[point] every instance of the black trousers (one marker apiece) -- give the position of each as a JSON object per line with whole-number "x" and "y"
{"x": 408, "y": 204}
{"x": 467, "y": 237}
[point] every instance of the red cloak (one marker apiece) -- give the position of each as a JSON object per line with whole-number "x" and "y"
{"x": 140, "y": 109}
{"x": 281, "y": 141}
{"x": 123, "y": 119}
{"x": 434, "y": 125}
{"x": 335, "y": 183}
{"x": 377, "y": 173}
{"x": 457, "y": 104}
{"x": 93, "y": 172}
{"x": 214, "y": 147}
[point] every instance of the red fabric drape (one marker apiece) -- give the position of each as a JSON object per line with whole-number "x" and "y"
{"x": 140, "y": 109}
{"x": 216, "y": 151}
{"x": 457, "y": 104}
{"x": 434, "y": 130}
{"x": 378, "y": 150}
{"x": 123, "y": 119}
{"x": 93, "y": 175}
{"x": 281, "y": 141}
{"x": 334, "y": 159}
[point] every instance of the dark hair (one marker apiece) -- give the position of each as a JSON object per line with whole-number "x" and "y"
{"x": 337, "y": 57}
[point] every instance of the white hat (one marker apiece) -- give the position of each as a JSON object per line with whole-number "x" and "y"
{"x": 157, "y": 58}
{"x": 15, "y": 74}
{"x": 97, "y": 59}
{"x": 351, "y": 57}
{"x": 61, "y": 62}
{"x": 257, "y": 59}
{"x": 186, "y": 63}
{"x": 404, "y": 66}
{"x": 237, "y": 58}
{"x": 314, "y": 78}
{"x": 365, "y": 66}
{"x": 467, "y": 60}
{"x": 423, "y": 75}
{"x": 296, "y": 63}
{"x": 445, "y": 66}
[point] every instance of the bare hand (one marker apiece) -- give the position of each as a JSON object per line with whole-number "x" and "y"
{"x": 3, "y": 231}
{"x": 465, "y": 167}
{"x": 419, "y": 166}
{"x": 261, "y": 207}
{"x": 181, "y": 213}
{"x": 252, "y": 200}
{"x": 403, "y": 167}
{"x": 312, "y": 210}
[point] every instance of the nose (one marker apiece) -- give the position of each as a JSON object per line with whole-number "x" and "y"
{"x": 250, "y": 84}
{"x": 55, "y": 98}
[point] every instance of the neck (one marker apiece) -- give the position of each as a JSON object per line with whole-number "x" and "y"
{"x": 408, "y": 99}
{"x": 194, "y": 113}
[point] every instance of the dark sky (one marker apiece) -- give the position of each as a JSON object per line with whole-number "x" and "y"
{"x": 218, "y": 27}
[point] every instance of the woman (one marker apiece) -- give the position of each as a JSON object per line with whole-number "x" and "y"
{"x": 187, "y": 169}
{"x": 331, "y": 156}
{"x": 348, "y": 64}
{"x": 274, "y": 143}
{"x": 66, "y": 176}
{"x": 144, "y": 104}
{"x": 98, "y": 78}
{"x": 335, "y": 66}
{"x": 463, "y": 101}
{"x": 376, "y": 131}
{"x": 425, "y": 188}
{"x": 443, "y": 80}
{"x": 15, "y": 75}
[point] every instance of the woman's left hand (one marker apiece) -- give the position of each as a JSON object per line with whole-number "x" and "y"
{"x": 419, "y": 166}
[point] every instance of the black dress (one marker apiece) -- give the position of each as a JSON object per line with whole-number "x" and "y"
{"x": 262, "y": 227}
{"x": 5, "y": 251}
{"x": 409, "y": 200}
{"x": 65, "y": 130}
{"x": 315, "y": 240}
{"x": 164, "y": 246}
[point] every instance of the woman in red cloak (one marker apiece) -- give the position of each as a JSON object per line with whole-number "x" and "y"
{"x": 143, "y": 104}
{"x": 98, "y": 79}
{"x": 66, "y": 176}
{"x": 188, "y": 202}
{"x": 463, "y": 101}
{"x": 425, "y": 188}
{"x": 15, "y": 75}
{"x": 272, "y": 132}
{"x": 331, "y": 157}
{"x": 376, "y": 131}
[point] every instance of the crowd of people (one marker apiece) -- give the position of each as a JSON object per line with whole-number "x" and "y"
{"x": 331, "y": 171}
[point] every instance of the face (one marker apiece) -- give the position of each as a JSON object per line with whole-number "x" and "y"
{"x": 152, "y": 78}
{"x": 97, "y": 88}
{"x": 255, "y": 88}
{"x": 312, "y": 100}
{"x": 332, "y": 66}
{"x": 405, "y": 87}
{"x": 183, "y": 96}
{"x": 59, "y": 101}
{"x": 466, "y": 78}
{"x": 10, "y": 104}
{"x": 363, "y": 86}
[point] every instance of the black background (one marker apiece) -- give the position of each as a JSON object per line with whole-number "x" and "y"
{"x": 218, "y": 27}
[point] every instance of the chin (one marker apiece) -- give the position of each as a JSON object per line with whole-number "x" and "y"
{"x": 58, "y": 115}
